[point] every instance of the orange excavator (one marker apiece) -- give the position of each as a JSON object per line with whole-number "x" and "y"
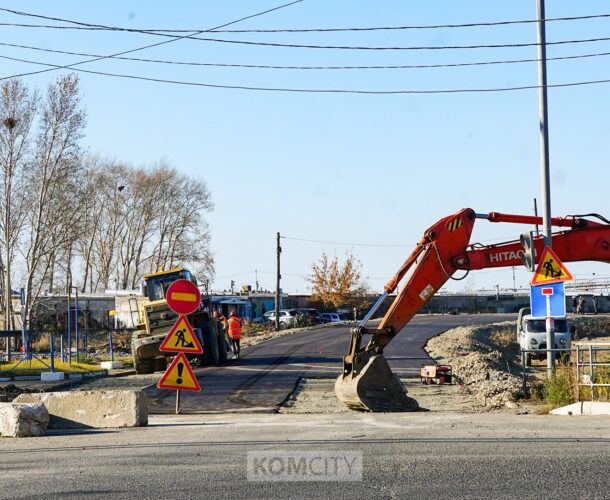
{"x": 367, "y": 382}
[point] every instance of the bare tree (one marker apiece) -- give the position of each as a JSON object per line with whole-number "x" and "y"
{"x": 17, "y": 112}
{"x": 51, "y": 216}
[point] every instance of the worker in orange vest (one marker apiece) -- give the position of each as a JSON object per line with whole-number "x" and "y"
{"x": 234, "y": 324}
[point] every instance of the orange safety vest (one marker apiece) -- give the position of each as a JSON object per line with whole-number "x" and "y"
{"x": 234, "y": 328}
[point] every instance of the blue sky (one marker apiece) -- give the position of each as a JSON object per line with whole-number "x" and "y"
{"x": 375, "y": 169}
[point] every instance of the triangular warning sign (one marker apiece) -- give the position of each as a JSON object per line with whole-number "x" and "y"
{"x": 550, "y": 269}
{"x": 181, "y": 338}
{"x": 179, "y": 376}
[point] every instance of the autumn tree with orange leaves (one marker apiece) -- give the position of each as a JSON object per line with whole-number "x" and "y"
{"x": 338, "y": 284}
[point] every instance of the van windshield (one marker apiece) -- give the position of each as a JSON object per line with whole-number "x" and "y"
{"x": 539, "y": 325}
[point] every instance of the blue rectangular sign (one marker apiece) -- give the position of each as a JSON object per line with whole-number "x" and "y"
{"x": 557, "y": 297}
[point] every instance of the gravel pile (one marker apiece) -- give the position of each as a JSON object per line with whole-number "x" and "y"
{"x": 484, "y": 359}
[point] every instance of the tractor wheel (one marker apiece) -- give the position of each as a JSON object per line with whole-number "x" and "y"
{"x": 222, "y": 343}
{"x": 143, "y": 365}
{"x": 211, "y": 355}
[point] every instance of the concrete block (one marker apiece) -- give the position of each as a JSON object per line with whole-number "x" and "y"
{"x": 23, "y": 378}
{"x": 6, "y": 379}
{"x": 111, "y": 365}
{"x": 92, "y": 409}
{"x": 52, "y": 376}
{"x": 75, "y": 376}
{"x": 23, "y": 420}
{"x": 584, "y": 408}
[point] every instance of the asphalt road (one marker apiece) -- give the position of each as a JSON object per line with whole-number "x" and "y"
{"x": 267, "y": 373}
{"x": 411, "y": 455}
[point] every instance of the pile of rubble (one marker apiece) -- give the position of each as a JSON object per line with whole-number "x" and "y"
{"x": 484, "y": 360}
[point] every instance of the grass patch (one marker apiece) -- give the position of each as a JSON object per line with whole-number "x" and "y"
{"x": 558, "y": 390}
{"x": 602, "y": 376}
{"x": 37, "y": 366}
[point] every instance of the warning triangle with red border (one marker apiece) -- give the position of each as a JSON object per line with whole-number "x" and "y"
{"x": 179, "y": 375}
{"x": 181, "y": 338}
{"x": 550, "y": 269}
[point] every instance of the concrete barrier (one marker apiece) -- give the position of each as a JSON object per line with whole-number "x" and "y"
{"x": 92, "y": 409}
{"x": 23, "y": 420}
{"x": 52, "y": 376}
{"x": 584, "y": 408}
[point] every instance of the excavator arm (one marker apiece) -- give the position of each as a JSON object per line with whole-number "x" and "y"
{"x": 367, "y": 383}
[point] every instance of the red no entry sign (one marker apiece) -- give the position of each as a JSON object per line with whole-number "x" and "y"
{"x": 183, "y": 297}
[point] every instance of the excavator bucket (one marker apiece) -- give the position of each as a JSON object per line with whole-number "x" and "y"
{"x": 374, "y": 388}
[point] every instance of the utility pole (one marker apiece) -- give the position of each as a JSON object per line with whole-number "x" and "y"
{"x": 514, "y": 281}
{"x": 545, "y": 168}
{"x": 277, "y": 285}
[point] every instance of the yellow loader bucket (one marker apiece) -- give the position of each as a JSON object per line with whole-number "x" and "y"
{"x": 374, "y": 388}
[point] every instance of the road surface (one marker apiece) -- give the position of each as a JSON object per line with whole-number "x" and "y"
{"x": 267, "y": 373}
{"x": 413, "y": 455}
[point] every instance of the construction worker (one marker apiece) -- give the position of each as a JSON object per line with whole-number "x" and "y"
{"x": 221, "y": 317}
{"x": 234, "y": 333}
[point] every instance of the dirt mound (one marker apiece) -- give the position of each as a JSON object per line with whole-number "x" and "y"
{"x": 484, "y": 360}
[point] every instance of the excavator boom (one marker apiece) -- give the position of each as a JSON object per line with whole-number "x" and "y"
{"x": 367, "y": 383}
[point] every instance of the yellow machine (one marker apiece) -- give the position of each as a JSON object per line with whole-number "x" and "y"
{"x": 156, "y": 319}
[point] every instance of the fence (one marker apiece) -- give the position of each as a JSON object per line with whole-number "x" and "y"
{"x": 585, "y": 357}
{"x": 588, "y": 366}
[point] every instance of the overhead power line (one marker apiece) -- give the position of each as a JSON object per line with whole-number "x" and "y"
{"x": 395, "y": 48}
{"x": 307, "y": 46}
{"x": 91, "y": 26}
{"x": 345, "y": 244}
{"x": 264, "y": 66}
{"x": 298, "y": 90}
{"x": 174, "y": 39}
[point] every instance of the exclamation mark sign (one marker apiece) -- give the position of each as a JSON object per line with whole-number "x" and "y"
{"x": 180, "y": 368}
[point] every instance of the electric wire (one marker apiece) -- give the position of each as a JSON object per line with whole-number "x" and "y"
{"x": 393, "y": 48}
{"x": 263, "y": 66}
{"x": 174, "y": 39}
{"x": 91, "y": 26}
{"x": 296, "y": 90}
{"x": 345, "y": 244}
{"x": 333, "y": 47}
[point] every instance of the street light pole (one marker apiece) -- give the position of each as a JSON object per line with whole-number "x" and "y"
{"x": 545, "y": 166}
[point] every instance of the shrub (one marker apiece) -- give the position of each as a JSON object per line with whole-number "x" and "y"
{"x": 558, "y": 389}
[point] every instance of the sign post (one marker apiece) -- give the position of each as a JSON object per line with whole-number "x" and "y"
{"x": 183, "y": 297}
{"x": 550, "y": 270}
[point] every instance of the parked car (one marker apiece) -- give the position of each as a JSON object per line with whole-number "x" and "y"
{"x": 287, "y": 317}
{"x": 330, "y": 317}
{"x": 311, "y": 314}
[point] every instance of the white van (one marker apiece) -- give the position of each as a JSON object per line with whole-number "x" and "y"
{"x": 531, "y": 334}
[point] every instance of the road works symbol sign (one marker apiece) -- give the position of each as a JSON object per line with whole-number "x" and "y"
{"x": 183, "y": 297}
{"x": 181, "y": 338}
{"x": 550, "y": 269}
{"x": 179, "y": 376}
